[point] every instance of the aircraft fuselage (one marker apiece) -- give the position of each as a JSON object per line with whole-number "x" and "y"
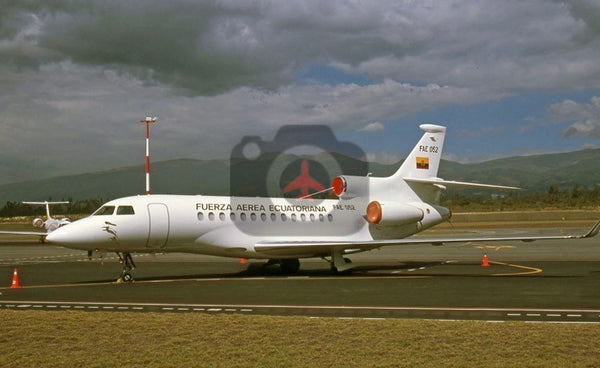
{"x": 228, "y": 226}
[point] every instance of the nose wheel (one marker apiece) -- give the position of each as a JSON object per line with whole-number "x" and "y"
{"x": 128, "y": 266}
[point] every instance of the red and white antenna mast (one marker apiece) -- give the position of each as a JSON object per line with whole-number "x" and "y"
{"x": 148, "y": 121}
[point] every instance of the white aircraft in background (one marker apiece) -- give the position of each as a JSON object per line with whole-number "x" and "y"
{"x": 370, "y": 212}
{"x": 50, "y": 224}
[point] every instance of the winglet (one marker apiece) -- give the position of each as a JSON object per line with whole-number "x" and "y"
{"x": 593, "y": 231}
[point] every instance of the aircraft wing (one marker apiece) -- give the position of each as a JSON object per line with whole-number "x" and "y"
{"x": 290, "y": 248}
{"x": 22, "y": 233}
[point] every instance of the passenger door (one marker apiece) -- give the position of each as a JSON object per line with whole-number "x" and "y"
{"x": 158, "y": 232}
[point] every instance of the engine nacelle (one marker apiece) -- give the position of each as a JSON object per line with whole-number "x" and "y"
{"x": 390, "y": 213}
{"x": 38, "y": 222}
{"x": 346, "y": 186}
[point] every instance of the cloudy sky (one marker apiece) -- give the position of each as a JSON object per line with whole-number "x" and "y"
{"x": 506, "y": 77}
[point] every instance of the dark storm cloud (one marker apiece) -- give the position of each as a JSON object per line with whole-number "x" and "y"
{"x": 76, "y": 76}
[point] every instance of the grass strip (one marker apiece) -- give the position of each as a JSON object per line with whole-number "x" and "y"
{"x": 102, "y": 339}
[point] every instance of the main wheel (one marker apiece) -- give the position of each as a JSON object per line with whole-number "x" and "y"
{"x": 290, "y": 266}
{"x": 335, "y": 271}
{"x": 127, "y": 277}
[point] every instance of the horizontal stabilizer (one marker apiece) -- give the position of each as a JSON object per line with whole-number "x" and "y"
{"x": 458, "y": 183}
{"x": 46, "y": 202}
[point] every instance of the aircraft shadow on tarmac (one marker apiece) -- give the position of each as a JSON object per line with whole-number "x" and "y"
{"x": 399, "y": 269}
{"x": 261, "y": 270}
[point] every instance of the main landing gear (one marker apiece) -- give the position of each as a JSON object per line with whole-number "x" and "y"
{"x": 340, "y": 265}
{"x": 128, "y": 266}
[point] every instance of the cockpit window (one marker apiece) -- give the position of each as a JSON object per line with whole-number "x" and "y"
{"x": 104, "y": 211}
{"x": 125, "y": 210}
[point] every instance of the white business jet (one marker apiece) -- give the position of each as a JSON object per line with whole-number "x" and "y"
{"x": 370, "y": 212}
{"x": 50, "y": 224}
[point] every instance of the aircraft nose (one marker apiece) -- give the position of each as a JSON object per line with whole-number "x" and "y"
{"x": 78, "y": 235}
{"x": 69, "y": 235}
{"x": 58, "y": 236}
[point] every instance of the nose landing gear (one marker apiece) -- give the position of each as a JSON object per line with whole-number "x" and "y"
{"x": 128, "y": 266}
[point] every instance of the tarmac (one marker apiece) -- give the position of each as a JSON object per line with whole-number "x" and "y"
{"x": 550, "y": 281}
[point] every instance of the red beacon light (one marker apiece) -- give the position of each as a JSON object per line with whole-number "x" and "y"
{"x": 338, "y": 185}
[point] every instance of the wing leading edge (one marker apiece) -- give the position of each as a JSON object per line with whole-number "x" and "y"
{"x": 290, "y": 248}
{"x": 22, "y": 233}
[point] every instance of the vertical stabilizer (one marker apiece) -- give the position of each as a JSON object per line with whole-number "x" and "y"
{"x": 424, "y": 160}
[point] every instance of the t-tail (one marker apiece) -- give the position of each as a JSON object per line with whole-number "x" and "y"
{"x": 51, "y": 223}
{"x": 415, "y": 181}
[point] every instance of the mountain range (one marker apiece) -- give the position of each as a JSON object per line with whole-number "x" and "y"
{"x": 533, "y": 173}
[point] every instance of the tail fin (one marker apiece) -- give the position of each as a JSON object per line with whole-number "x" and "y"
{"x": 47, "y": 204}
{"x": 424, "y": 160}
{"x": 420, "y": 169}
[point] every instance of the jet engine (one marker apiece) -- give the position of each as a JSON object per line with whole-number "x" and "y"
{"x": 346, "y": 187}
{"x": 38, "y": 222}
{"x": 390, "y": 213}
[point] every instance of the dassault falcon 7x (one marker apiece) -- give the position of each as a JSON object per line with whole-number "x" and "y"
{"x": 369, "y": 212}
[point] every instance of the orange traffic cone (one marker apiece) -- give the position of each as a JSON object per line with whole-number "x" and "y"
{"x": 243, "y": 261}
{"x": 485, "y": 262}
{"x": 16, "y": 284}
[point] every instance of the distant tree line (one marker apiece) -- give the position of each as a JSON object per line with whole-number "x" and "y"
{"x": 75, "y": 207}
{"x": 578, "y": 197}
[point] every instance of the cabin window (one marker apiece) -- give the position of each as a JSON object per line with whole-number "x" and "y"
{"x": 211, "y": 216}
{"x": 330, "y": 217}
{"x": 243, "y": 216}
{"x": 321, "y": 217}
{"x": 263, "y": 217}
{"x": 125, "y": 210}
{"x": 221, "y": 216}
{"x": 253, "y": 216}
{"x": 104, "y": 211}
{"x": 273, "y": 217}
{"x": 294, "y": 217}
{"x": 232, "y": 216}
{"x": 200, "y": 216}
{"x": 303, "y": 217}
{"x": 312, "y": 217}
{"x": 283, "y": 217}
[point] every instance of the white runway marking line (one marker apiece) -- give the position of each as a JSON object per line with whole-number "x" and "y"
{"x": 569, "y": 314}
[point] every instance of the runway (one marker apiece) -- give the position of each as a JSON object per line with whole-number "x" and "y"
{"x": 542, "y": 281}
